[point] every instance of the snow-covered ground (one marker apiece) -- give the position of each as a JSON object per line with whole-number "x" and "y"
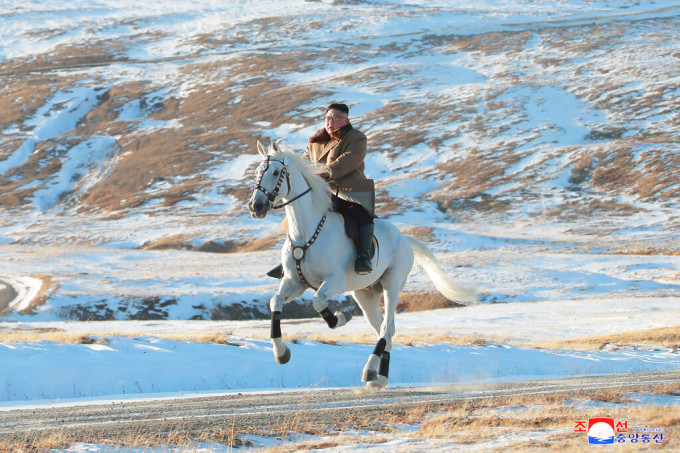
{"x": 555, "y": 280}
{"x": 143, "y": 362}
{"x": 544, "y": 272}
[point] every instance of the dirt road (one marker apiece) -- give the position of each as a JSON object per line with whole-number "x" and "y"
{"x": 277, "y": 412}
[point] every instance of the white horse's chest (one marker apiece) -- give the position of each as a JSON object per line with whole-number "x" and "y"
{"x": 332, "y": 254}
{"x": 329, "y": 252}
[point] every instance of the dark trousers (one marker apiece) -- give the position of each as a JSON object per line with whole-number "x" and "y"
{"x": 353, "y": 210}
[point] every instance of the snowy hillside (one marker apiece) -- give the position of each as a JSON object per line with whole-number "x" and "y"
{"x": 129, "y": 131}
{"x": 534, "y": 146}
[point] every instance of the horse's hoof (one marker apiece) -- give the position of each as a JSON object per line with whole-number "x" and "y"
{"x": 283, "y": 359}
{"x": 369, "y": 376}
{"x": 378, "y": 384}
{"x": 343, "y": 318}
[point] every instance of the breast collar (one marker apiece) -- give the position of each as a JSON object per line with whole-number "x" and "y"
{"x": 298, "y": 252}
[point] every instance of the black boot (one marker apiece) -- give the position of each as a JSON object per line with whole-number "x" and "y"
{"x": 362, "y": 265}
{"x": 277, "y": 272}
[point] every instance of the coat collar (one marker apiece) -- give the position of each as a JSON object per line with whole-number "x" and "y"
{"x": 343, "y": 131}
{"x": 324, "y": 137}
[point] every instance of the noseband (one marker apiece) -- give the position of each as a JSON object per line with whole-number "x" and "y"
{"x": 271, "y": 196}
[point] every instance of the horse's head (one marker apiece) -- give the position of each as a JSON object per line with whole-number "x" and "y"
{"x": 284, "y": 175}
{"x": 272, "y": 174}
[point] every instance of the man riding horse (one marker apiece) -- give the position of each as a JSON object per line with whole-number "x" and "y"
{"x": 342, "y": 148}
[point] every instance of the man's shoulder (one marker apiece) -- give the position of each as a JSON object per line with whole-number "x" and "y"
{"x": 355, "y": 134}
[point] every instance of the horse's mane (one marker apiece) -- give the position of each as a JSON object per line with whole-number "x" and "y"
{"x": 310, "y": 171}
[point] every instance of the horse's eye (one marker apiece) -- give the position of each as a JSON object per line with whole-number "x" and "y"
{"x": 276, "y": 173}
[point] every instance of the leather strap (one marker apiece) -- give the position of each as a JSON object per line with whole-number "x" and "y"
{"x": 299, "y": 252}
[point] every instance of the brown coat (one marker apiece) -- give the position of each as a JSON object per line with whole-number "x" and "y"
{"x": 345, "y": 159}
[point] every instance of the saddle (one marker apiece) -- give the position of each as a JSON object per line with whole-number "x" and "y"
{"x": 352, "y": 231}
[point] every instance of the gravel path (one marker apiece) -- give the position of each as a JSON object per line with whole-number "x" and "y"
{"x": 274, "y": 413}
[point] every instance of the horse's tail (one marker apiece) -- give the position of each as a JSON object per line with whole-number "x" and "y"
{"x": 442, "y": 282}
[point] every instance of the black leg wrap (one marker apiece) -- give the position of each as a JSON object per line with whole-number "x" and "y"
{"x": 384, "y": 368}
{"x": 276, "y": 325}
{"x": 329, "y": 317}
{"x": 380, "y": 347}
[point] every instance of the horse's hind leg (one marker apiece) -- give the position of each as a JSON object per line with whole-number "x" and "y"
{"x": 393, "y": 283}
{"x": 369, "y": 301}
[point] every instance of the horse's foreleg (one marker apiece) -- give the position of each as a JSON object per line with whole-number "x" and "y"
{"x": 328, "y": 289}
{"x": 281, "y": 351}
{"x": 288, "y": 290}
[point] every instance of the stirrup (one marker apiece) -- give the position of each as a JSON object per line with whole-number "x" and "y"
{"x": 362, "y": 265}
{"x": 277, "y": 272}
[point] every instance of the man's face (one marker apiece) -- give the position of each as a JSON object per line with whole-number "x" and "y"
{"x": 334, "y": 120}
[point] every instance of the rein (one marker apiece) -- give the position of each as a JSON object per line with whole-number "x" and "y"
{"x": 279, "y": 206}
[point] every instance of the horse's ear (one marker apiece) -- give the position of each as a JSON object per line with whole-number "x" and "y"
{"x": 260, "y": 149}
{"x": 276, "y": 147}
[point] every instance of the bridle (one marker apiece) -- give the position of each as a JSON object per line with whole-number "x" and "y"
{"x": 298, "y": 252}
{"x": 271, "y": 196}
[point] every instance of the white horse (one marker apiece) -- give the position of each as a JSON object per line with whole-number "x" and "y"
{"x": 318, "y": 254}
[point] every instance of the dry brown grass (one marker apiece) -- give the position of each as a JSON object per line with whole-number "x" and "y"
{"x": 418, "y": 301}
{"x": 492, "y": 420}
{"x": 36, "y": 443}
{"x": 220, "y": 119}
{"x": 667, "y": 389}
{"x": 670, "y": 250}
{"x": 420, "y": 340}
{"x": 216, "y": 121}
{"x": 215, "y": 338}
{"x": 180, "y": 242}
{"x": 490, "y": 423}
{"x": 60, "y": 336}
{"x": 55, "y": 335}
{"x": 419, "y": 232}
{"x": 666, "y": 337}
{"x": 330, "y": 441}
{"x": 581, "y": 169}
{"x": 134, "y": 438}
{"x": 474, "y": 426}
